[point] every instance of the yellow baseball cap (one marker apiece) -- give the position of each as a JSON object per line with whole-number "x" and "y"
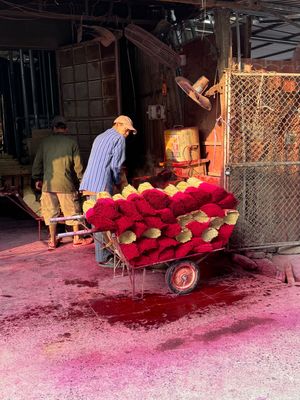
{"x": 127, "y": 122}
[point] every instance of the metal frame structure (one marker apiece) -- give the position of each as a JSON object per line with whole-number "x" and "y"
{"x": 17, "y": 200}
{"x": 119, "y": 259}
{"x": 29, "y": 96}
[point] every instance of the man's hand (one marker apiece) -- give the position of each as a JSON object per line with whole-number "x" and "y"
{"x": 38, "y": 185}
{"x": 117, "y": 189}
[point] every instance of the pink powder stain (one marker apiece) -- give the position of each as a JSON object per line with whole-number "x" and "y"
{"x": 157, "y": 309}
{"x": 74, "y": 371}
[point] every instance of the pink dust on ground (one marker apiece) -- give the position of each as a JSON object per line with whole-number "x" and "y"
{"x": 69, "y": 330}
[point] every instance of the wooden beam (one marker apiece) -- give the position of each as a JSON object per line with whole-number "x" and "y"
{"x": 7, "y": 14}
{"x": 241, "y": 6}
{"x": 289, "y": 273}
{"x": 209, "y": 4}
{"x": 249, "y": 5}
{"x": 247, "y": 27}
{"x": 223, "y": 35}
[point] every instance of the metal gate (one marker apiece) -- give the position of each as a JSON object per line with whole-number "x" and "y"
{"x": 262, "y": 157}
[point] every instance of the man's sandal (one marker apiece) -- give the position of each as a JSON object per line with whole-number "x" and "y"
{"x": 108, "y": 263}
{"x": 51, "y": 245}
{"x": 83, "y": 242}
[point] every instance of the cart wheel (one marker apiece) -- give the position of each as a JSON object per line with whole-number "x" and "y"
{"x": 182, "y": 277}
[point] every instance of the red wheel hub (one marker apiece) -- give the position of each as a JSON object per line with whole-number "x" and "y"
{"x": 183, "y": 277}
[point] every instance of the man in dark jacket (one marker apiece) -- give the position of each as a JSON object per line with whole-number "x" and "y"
{"x": 57, "y": 170}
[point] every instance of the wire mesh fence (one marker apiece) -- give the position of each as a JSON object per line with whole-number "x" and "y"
{"x": 263, "y": 157}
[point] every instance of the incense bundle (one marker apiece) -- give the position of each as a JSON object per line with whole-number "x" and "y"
{"x": 154, "y": 225}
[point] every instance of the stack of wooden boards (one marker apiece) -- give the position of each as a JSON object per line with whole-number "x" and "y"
{"x": 13, "y": 175}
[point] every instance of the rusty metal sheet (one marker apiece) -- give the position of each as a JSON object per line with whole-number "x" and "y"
{"x": 89, "y": 89}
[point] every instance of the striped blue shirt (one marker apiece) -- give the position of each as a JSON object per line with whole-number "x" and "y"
{"x": 105, "y": 161}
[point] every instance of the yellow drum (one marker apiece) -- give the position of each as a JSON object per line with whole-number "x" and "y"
{"x": 182, "y": 144}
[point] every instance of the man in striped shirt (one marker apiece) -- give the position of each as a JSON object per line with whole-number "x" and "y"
{"x": 103, "y": 171}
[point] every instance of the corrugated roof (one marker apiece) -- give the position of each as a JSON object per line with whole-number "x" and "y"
{"x": 275, "y": 31}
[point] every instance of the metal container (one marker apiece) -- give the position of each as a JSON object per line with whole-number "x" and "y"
{"x": 182, "y": 144}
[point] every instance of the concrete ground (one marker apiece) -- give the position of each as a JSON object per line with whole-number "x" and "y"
{"x": 70, "y": 330}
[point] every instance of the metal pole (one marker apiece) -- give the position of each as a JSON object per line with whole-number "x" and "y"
{"x": 45, "y": 86}
{"x": 41, "y": 83}
{"x": 25, "y": 105}
{"x": 51, "y": 83}
{"x": 33, "y": 88}
{"x": 227, "y": 113}
{"x": 3, "y": 121}
{"x": 238, "y": 41}
{"x": 71, "y": 218}
{"x": 11, "y": 83}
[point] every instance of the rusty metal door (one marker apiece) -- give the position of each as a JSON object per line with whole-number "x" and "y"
{"x": 262, "y": 157}
{"x": 89, "y": 90}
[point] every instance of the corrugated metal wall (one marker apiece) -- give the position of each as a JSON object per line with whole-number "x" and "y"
{"x": 90, "y": 95}
{"x": 151, "y": 78}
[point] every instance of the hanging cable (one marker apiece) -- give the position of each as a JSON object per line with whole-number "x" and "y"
{"x": 131, "y": 76}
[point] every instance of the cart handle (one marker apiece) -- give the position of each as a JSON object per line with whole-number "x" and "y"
{"x": 72, "y": 217}
{"x": 76, "y": 233}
